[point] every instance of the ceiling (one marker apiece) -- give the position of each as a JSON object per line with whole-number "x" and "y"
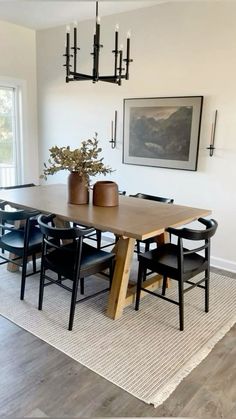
{"x": 43, "y": 14}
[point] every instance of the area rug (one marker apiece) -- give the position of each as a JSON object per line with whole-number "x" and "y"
{"x": 143, "y": 353}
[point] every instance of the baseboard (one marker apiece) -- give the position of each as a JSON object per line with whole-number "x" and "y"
{"x": 225, "y": 264}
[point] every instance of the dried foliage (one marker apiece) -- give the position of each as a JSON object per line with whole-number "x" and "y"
{"x": 83, "y": 160}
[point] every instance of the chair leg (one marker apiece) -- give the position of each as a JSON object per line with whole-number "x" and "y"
{"x": 181, "y": 305}
{"x": 111, "y": 272}
{"x": 99, "y": 239}
{"x": 147, "y": 247}
{"x": 41, "y": 288}
{"x": 141, "y": 272}
{"x": 164, "y": 284}
{"x": 23, "y": 276}
{"x": 145, "y": 274}
{"x": 73, "y": 303}
{"x": 138, "y": 246}
{"x": 207, "y": 289}
{"x": 82, "y": 286}
{"x": 34, "y": 262}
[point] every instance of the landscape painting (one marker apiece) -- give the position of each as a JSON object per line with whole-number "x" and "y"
{"x": 162, "y": 132}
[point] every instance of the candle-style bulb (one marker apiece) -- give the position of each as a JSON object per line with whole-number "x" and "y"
{"x": 121, "y": 47}
{"x": 67, "y": 28}
{"x": 117, "y": 27}
{"x": 129, "y": 34}
{"x": 98, "y": 20}
{"x": 75, "y": 23}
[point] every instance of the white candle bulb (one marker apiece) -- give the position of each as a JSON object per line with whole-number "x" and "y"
{"x": 67, "y": 28}
{"x": 129, "y": 33}
{"x": 75, "y": 23}
{"x": 98, "y": 20}
{"x": 117, "y": 27}
{"x": 121, "y": 47}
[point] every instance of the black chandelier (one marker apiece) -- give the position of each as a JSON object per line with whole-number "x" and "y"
{"x": 119, "y": 72}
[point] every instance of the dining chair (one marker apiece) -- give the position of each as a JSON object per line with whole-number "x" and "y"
{"x": 20, "y": 238}
{"x": 148, "y": 242}
{"x": 25, "y": 185}
{"x": 75, "y": 260}
{"x": 181, "y": 263}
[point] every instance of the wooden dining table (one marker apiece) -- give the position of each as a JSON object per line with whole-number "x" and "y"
{"x": 133, "y": 219}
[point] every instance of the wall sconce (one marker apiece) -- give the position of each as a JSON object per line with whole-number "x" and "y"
{"x": 211, "y": 147}
{"x": 113, "y": 132}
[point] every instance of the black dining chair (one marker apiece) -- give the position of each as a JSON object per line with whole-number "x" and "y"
{"x": 75, "y": 260}
{"x": 180, "y": 263}
{"x": 25, "y": 185}
{"x": 148, "y": 242}
{"x": 20, "y": 239}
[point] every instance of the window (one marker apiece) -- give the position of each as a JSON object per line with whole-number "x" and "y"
{"x": 10, "y": 138}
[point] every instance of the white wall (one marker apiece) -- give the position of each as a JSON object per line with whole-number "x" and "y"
{"x": 178, "y": 49}
{"x": 18, "y": 64}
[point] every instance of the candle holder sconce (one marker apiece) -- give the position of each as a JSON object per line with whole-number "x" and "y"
{"x": 211, "y": 147}
{"x": 113, "y": 132}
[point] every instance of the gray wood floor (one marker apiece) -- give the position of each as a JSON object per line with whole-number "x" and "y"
{"x": 39, "y": 381}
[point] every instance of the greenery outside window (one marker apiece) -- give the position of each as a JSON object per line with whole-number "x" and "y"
{"x": 10, "y": 138}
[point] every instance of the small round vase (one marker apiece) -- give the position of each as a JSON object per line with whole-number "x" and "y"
{"x": 78, "y": 192}
{"x": 105, "y": 194}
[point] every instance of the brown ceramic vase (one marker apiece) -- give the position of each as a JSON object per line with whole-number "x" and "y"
{"x": 77, "y": 189}
{"x": 105, "y": 194}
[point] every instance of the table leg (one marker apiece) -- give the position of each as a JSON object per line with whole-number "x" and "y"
{"x": 163, "y": 238}
{"x": 117, "y": 296}
{"x": 11, "y": 267}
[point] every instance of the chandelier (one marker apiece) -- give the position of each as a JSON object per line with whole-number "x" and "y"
{"x": 72, "y": 58}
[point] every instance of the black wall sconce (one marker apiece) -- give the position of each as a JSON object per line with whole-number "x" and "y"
{"x": 113, "y": 132}
{"x": 211, "y": 147}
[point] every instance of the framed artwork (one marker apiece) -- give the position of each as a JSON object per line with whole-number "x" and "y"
{"x": 162, "y": 132}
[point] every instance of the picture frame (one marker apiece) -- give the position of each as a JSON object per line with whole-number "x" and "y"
{"x": 162, "y": 131}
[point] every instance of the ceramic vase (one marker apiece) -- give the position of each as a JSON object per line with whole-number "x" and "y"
{"x": 105, "y": 194}
{"x": 78, "y": 192}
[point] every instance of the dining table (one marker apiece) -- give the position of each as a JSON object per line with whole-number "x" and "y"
{"x": 133, "y": 219}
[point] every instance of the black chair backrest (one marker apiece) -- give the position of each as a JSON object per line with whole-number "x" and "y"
{"x": 191, "y": 234}
{"x": 57, "y": 239}
{"x": 16, "y": 215}
{"x": 47, "y": 227}
{"x": 195, "y": 235}
{"x": 9, "y": 219}
{"x": 26, "y": 185}
{"x": 153, "y": 198}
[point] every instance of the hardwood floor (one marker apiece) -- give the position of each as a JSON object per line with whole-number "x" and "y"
{"x": 37, "y": 380}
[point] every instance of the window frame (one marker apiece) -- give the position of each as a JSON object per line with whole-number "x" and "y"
{"x": 18, "y": 87}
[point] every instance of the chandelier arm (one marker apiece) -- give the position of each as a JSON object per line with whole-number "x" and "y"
{"x": 109, "y": 79}
{"x": 81, "y": 76}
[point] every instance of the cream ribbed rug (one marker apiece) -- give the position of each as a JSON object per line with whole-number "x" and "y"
{"x": 144, "y": 353}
